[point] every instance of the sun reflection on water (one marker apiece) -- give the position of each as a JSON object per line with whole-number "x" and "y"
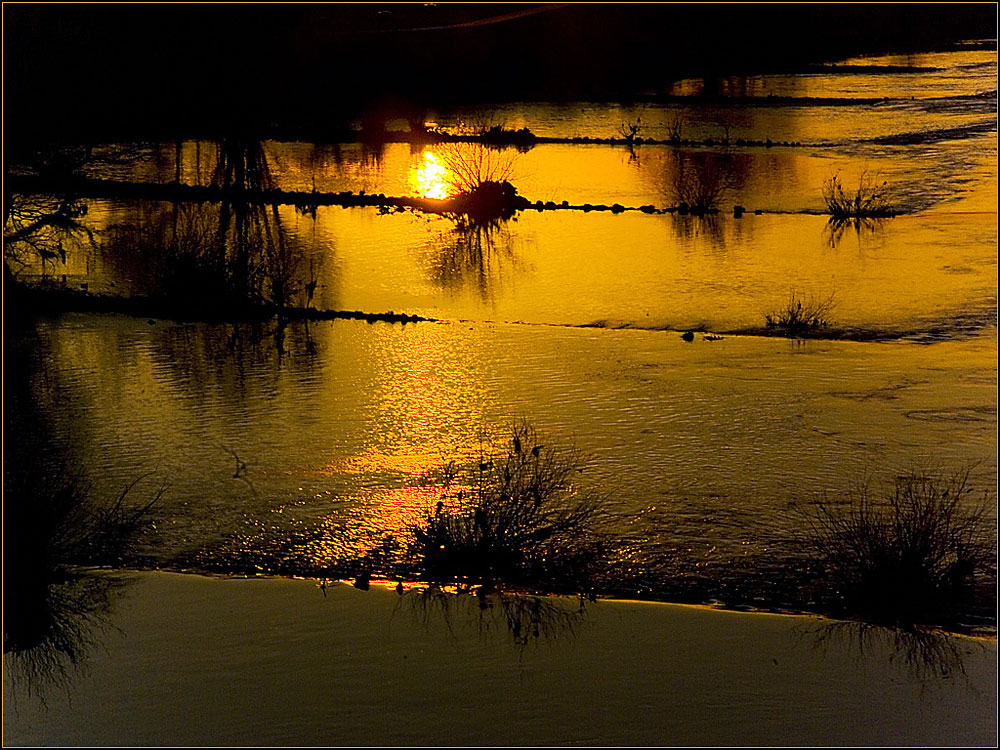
{"x": 429, "y": 178}
{"x": 376, "y": 528}
{"x": 407, "y": 460}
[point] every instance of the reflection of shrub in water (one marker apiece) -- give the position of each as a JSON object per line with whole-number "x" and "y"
{"x": 926, "y": 655}
{"x": 193, "y": 257}
{"x": 256, "y": 255}
{"x": 526, "y": 618}
{"x": 913, "y": 555}
{"x": 50, "y": 630}
{"x": 37, "y": 228}
{"x": 864, "y": 228}
{"x": 226, "y": 257}
{"x": 520, "y": 520}
{"x": 476, "y": 255}
{"x": 707, "y": 228}
{"x": 40, "y": 228}
{"x": 167, "y": 251}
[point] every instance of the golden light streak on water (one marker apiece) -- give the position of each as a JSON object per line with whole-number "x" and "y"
{"x": 378, "y": 527}
{"x": 430, "y": 177}
{"x": 409, "y": 460}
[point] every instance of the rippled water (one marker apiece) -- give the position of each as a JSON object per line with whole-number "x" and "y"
{"x": 712, "y": 442}
{"x": 715, "y": 440}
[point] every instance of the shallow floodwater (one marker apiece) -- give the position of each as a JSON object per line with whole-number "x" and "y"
{"x": 714, "y": 440}
{"x": 570, "y": 319}
{"x": 314, "y": 448}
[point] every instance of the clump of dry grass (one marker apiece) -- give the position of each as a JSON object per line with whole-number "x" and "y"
{"x": 871, "y": 199}
{"x": 520, "y": 520}
{"x": 910, "y": 555}
{"x": 799, "y": 315}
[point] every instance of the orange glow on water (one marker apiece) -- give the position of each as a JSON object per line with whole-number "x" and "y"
{"x": 377, "y": 524}
{"x": 430, "y": 177}
{"x": 407, "y": 460}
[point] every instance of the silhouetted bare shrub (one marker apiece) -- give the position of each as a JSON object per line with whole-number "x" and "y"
{"x": 630, "y": 130}
{"x": 479, "y": 179}
{"x": 471, "y": 165}
{"x": 675, "y": 127}
{"x": 699, "y": 183}
{"x": 910, "y": 554}
{"x": 872, "y": 199}
{"x": 800, "y": 315}
{"x": 520, "y": 520}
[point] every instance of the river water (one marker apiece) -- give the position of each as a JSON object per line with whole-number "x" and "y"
{"x": 309, "y": 454}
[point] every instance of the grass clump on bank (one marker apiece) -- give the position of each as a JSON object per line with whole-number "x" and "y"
{"x": 520, "y": 520}
{"x": 871, "y": 200}
{"x": 799, "y": 315}
{"x": 912, "y": 555}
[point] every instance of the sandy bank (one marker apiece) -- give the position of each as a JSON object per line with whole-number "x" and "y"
{"x": 191, "y": 660}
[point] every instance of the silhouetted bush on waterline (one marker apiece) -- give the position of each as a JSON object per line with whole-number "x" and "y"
{"x": 487, "y": 202}
{"x": 479, "y": 178}
{"x": 699, "y": 183}
{"x": 51, "y": 521}
{"x": 911, "y": 555}
{"x": 872, "y": 199}
{"x": 801, "y": 314}
{"x": 520, "y": 521}
{"x": 53, "y": 530}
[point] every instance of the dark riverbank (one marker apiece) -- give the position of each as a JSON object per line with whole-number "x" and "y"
{"x": 318, "y": 67}
{"x": 25, "y": 300}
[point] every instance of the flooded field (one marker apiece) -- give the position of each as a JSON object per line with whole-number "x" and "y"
{"x": 375, "y": 371}
{"x": 309, "y": 447}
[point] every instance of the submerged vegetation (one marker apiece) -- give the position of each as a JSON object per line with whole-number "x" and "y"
{"x": 871, "y": 199}
{"x": 698, "y": 184}
{"x": 518, "y": 520}
{"x": 800, "y": 315}
{"x": 911, "y": 554}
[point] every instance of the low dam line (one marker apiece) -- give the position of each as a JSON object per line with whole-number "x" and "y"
{"x": 84, "y": 187}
